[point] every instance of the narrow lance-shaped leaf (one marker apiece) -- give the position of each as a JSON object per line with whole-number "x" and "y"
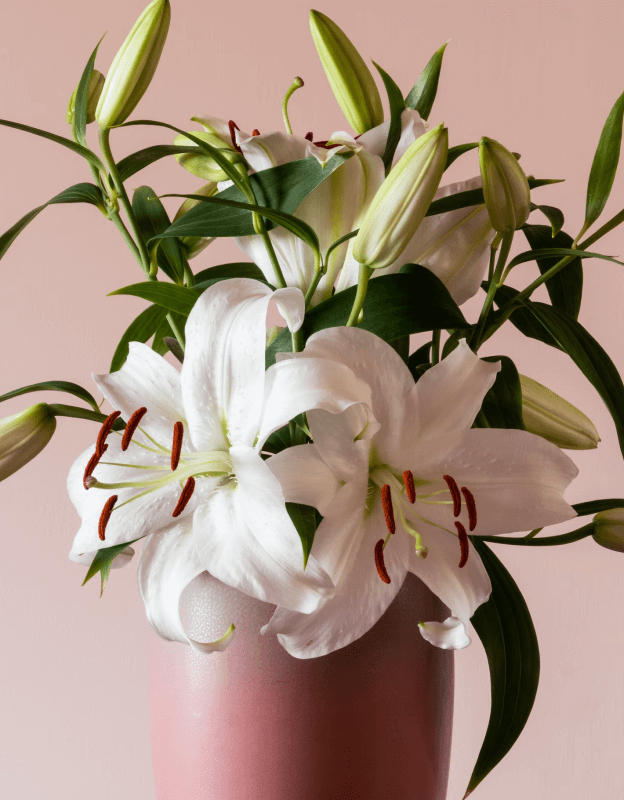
{"x": 79, "y": 123}
{"x": 397, "y": 106}
{"x": 179, "y": 299}
{"x": 135, "y": 162}
{"x": 553, "y": 215}
{"x": 565, "y": 288}
{"x": 424, "y": 92}
{"x": 522, "y": 318}
{"x": 154, "y": 220}
{"x": 506, "y": 630}
{"x": 71, "y": 145}
{"x": 103, "y": 562}
{"x": 502, "y": 405}
{"x": 555, "y": 252}
{"x": 54, "y": 386}
{"x": 304, "y": 518}
{"x": 459, "y": 149}
{"x": 595, "y": 506}
{"x": 474, "y": 197}
{"x": 241, "y": 269}
{"x": 139, "y": 330}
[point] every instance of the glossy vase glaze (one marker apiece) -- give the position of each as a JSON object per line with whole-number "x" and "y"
{"x": 370, "y": 721}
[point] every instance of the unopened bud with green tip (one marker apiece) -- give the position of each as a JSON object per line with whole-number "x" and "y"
{"x": 402, "y": 201}
{"x": 134, "y": 65}
{"x": 193, "y": 245}
{"x": 553, "y": 418}
{"x": 609, "y": 529}
{"x": 94, "y": 90}
{"x": 23, "y": 436}
{"x": 505, "y": 186}
{"x": 350, "y": 79}
{"x": 200, "y": 163}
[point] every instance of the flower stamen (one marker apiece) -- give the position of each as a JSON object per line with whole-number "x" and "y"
{"x": 176, "y": 447}
{"x": 131, "y": 426}
{"x": 105, "y": 516}
{"x": 100, "y": 447}
{"x": 309, "y": 136}
{"x": 379, "y": 562}
{"x": 463, "y": 543}
{"x": 386, "y": 504}
{"x": 455, "y": 495}
{"x": 93, "y": 462}
{"x": 410, "y": 489}
{"x": 189, "y": 488}
{"x": 234, "y": 127}
{"x": 255, "y": 132}
{"x": 471, "y": 506}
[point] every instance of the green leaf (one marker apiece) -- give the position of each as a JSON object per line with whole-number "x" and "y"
{"x": 153, "y": 220}
{"x": 553, "y": 215}
{"x": 79, "y": 124}
{"x": 80, "y": 193}
{"x": 397, "y": 107}
{"x": 418, "y": 299}
{"x": 424, "y": 92}
{"x": 566, "y": 286}
{"x": 168, "y": 295}
{"x": 241, "y": 269}
{"x": 54, "y": 386}
{"x": 522, "y": 318}
{"x": 304, "y": 518}
{"x": 103, "y": 562}
{"x": 506, "y": 630}
{"x": 140, "y": 330}
{"x": 338, "y": 242}
{"x": 278, "y": 441}
{"x": 555, "y": 252}
{"x": 502, "y": 405}
{"x": 418, "y": 359}
{"x": 71, "y": 145}
{"x": 455, "y": 152}
{"x": 60, "y": 410}
{"x": 164, "y": 330}
{"x": 594, "y": 506}
{"x": 473, "y": 197}
{"x": 135, "y": 162}
{"x": 604, "y": 165}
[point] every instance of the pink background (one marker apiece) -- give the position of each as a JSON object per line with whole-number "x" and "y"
{"x": 539, "y": 76}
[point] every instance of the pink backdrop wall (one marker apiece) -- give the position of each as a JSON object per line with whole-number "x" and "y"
{"x": 539, "y": 76}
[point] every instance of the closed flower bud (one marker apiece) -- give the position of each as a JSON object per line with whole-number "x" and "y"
{"x": 402, "y": 201}
{"x": 350, "y": 79}
{"x": 94, "y": 90}
{"x": 23, "y": 436}
{"x": 201, "y": 164}
{"x": 195, "y": 244}
{"x": 554, "y": 419}
{"x": 134, "y": 65}
{"x": 609, "y": 529}
{"x": 505, "y": 186}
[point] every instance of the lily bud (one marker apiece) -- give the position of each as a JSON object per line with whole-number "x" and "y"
{"x": 402, "y": 200}
{"x": 195, "y": 244}
{"x": 134, "y": 65}
{"x": 94, "y": 90}
{"x": 201, "y": 164}
{"x": 505, "y": 186}
{"x": 350, "y": 79}
{"x": 609, "y": 529}
{"x": 554, "y": 419}
{"x": 23, "y": 436}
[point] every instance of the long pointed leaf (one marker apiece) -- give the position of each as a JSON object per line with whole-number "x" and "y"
{"x": 71, "y": 145}
{"x": 473, "y": 197}
{"x": 397, "y": 106}
{"x": 103, "y": 562}
{"x": 139, "y": 330}
{"x": 565, "y": 288}
{"x": 54, "y": 386}
{"x": 79, "y": 123}
{"x": 502, "y": 405}
{"x": 605, "y": 163}
{"x": 455, "y": 152}
{"x": 135, "y": 162}
{"x": 154, "y": 220}
{"x": 558, "y": 253}
{"x": 423, "y": 94}
{"x": 174, "y": 298}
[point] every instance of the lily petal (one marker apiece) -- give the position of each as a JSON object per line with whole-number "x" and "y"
{"x": 448, "y": 635}
{"x": 375, "y": 139}
{"x": 304, "y": 476}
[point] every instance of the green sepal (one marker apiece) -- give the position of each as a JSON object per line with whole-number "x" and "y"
{"x": 502, "y": 405}
{"x": 423, "y": 93}
{"x": 139, "y": 330}
{"x": 305, "y": 520}
{"x": 397, "y": 107}
{"x": 103, "y": 562}
{"x": 153, "y": 220}
{"x": 565, "y": 288}
{"x": 506, "y": 630}
{"x": 54, "y": 386}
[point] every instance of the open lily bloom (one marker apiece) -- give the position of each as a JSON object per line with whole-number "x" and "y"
{"x": 188, "y": 468}
{"x": 420, "y": 471}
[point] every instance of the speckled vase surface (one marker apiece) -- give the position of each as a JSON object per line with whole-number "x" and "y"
{"x": 372, "y": 720}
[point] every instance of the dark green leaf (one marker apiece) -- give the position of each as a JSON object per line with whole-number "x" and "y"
{"x": 154, "y": 220}
{"x": 506, "y": 630}
{"x": 54, "y": 386}
{"x": 558, "y": 253}
{"x": 159, "y": 345}
{"x": 424, "y": 92}
{"x": 173, "y": 298}
{"x": 71, "y": 145}
{"x": 419, "y": 359}
{"x": 604, "y": 165}
{"x": 305, "y": 521}
{"x": 473, "y": 197}
{"x": 79, "y": 124}
{"x": 278, "y": 441}
{"x": 455, "y": 152}
{"x": 566, "y": 286}
{"x": 242, "y": 269}
{"x": 140, "y": 330}
{"x": 135, "y": 162}
{"x": 418, "y": 299}
{"x": 76, "y": 412}
{"x": 522, "y": 318}
{"x": 397, "y": 107}
{"x": 338, "y": 242}
{"x": 594, "y": 506}
{"x": 103, "y": 562}
{"x": 554, "y": 216}
{"x": 502, "y": 405}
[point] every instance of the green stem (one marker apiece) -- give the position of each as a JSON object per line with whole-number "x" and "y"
{"x": 319, "y": 270}
{"x": 268, "y": 244}
{"x": 476, "y": 339}
{"x": 435, "y": 346}
{"x": 618, "y": 219}
{"x": 114, "y": 216}
{"x": 544, "y": 541}
{"x": 360, "y": 295}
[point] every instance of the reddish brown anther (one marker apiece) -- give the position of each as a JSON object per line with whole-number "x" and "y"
{"x": 386, "y": 504}
{"x": 455, "y": 495}
{"x": 471, "y": 506}
{"x": 234, "y": 127}
{"x": 255, "y": 132}
{"x": 325, "y": 144}
{"x": 131, "y": 426}
{"x": 309, "y": 136}
{"x": 189, "y": 488}
{"x": 93, "y": 462}
{"x": 379, "y": 562}
{"x": 105, "y": 516}
{"x": 463, "y": 543}
{"x": 176, "y": 447}
{"x": 100, "y": 447}
{"x": 410, "y": 489}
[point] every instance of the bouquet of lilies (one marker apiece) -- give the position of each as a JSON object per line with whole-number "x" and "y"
{"x": 312, "y": 466}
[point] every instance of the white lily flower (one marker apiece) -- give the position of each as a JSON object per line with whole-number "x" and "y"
{"x": 362, "y": 477}
{"x": 188, "y": 466}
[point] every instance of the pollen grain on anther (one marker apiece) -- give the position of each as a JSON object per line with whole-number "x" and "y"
{"x": 463, "y": 544}
{"x": 410, "y": 489}
{"x": 455, "y": 495}
{"x": 386, "y": 504}
{"x": 471, "y": 506}
{"x": 131, "y": 426}
{"x": 107, "y": 425}
{"x": 105, "y": 516}
{"x": 255, "y": 132}
{"x": 92, "y": 464}
{"x": 380, "y": 563}
{"x": 189, "y": 488}
{"x": 176, "y": 447}
{"x": 234, "y": 127}
{"x": 309, "y": 136}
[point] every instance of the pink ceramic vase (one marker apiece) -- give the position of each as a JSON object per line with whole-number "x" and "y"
{"x": 370, "y": 721}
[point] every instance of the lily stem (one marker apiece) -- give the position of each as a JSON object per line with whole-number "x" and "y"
{"x": 360, "y": 295}
{"x": 477, "y": 337}
{"x": 544, "y": 541}
{"x": 435, "y": 346}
